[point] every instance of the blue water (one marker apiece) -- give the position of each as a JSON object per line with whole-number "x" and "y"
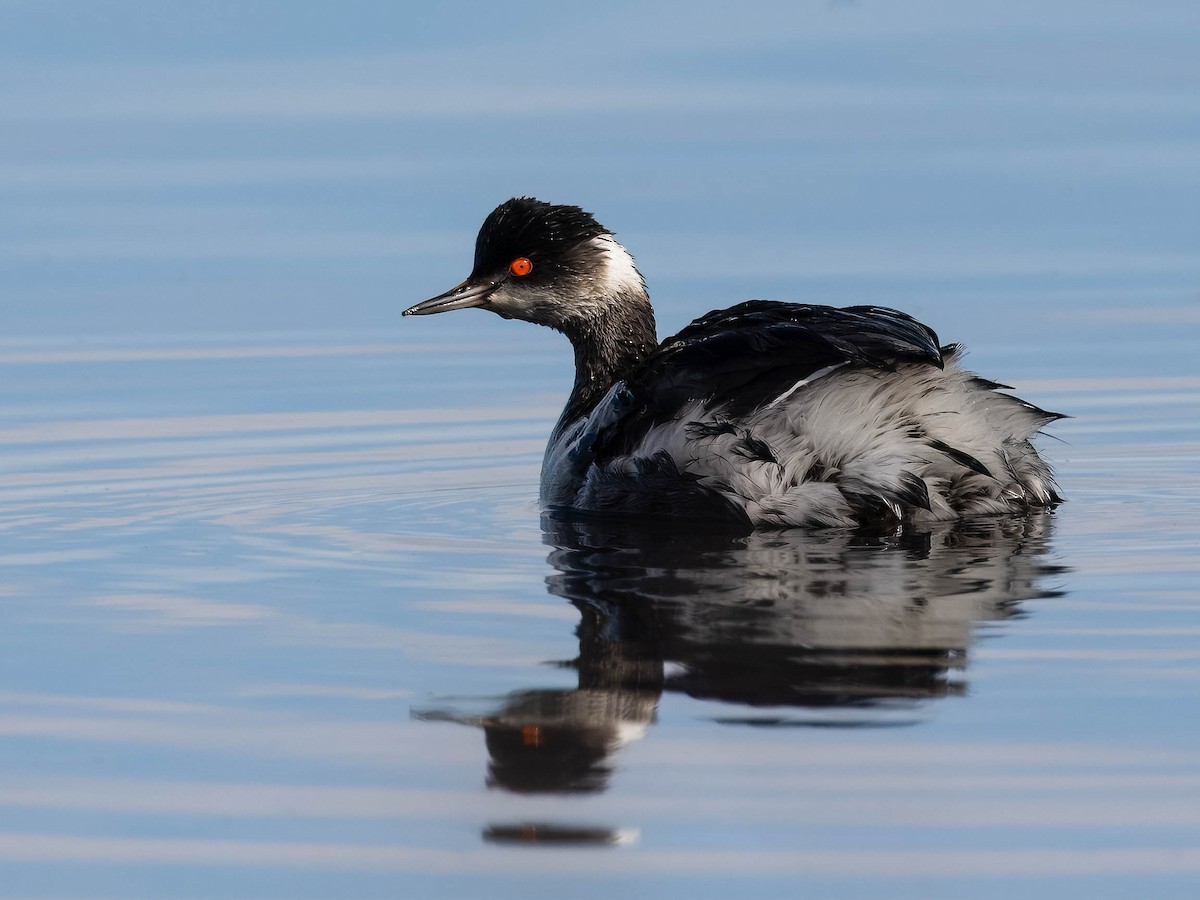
{"x": 279, "y": 616}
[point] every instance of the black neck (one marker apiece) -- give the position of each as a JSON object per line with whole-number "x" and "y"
{"x": 607, "y": 347}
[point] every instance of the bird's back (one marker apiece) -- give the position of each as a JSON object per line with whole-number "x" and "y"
{"x": 775, "y": 415}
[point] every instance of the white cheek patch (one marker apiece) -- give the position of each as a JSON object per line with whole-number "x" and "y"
{"x": 620, "y": 276}
{"x": 504, "y": 300}
{"x": 533, "y": 304}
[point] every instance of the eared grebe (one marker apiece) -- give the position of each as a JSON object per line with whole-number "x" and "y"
{"x": 763, "y": 415}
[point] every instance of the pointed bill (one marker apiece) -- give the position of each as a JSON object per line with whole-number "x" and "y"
{"x": 463, "y": 296}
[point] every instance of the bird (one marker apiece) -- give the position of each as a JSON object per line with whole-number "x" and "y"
{"x": 765, "y": 415}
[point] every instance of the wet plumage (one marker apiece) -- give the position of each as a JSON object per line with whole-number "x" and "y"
{"x": 763, "y": 415}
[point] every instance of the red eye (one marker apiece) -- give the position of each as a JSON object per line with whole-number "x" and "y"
{"x": 520, "y": 266}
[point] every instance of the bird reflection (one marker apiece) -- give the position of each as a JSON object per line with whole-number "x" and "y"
{"x": 792, "y": 628}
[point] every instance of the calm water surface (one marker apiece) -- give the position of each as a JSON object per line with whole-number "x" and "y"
{"x": 252, "y": 650}
{"x": 279, "y": 616}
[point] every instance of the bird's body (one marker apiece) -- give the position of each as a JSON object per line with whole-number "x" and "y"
{"x": 763, "y": 415}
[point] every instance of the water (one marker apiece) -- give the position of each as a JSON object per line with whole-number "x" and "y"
{"x": 280, "y": 616}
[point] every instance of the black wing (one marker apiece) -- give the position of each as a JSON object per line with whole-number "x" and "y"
{"x": 740, "y": 358}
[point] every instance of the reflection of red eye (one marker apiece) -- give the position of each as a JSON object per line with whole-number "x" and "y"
{"x": 520, "y": 266}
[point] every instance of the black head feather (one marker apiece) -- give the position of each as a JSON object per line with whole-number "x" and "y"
{"x": 554, "y": 238}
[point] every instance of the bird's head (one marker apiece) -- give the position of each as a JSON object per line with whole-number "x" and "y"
{"x": 553, "y": 265}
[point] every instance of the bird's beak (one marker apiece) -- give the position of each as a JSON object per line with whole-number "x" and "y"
{"x": 463, "y": 296}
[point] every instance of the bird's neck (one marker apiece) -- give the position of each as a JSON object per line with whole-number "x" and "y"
{"x": 617, "y": 334}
